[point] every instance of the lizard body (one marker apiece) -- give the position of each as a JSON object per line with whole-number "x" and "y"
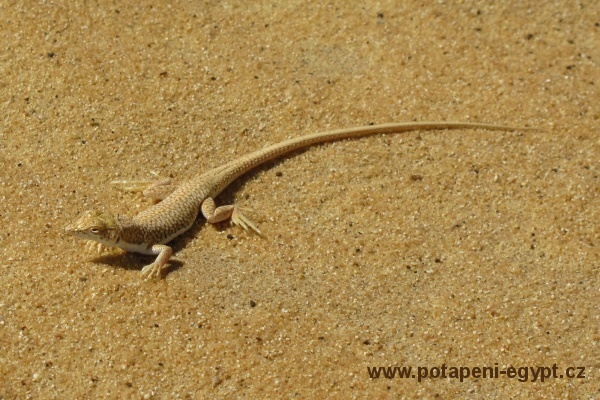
{"x": 151, "y": 230}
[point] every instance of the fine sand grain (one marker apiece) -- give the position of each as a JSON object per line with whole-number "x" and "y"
{"x": 465, "y": 248}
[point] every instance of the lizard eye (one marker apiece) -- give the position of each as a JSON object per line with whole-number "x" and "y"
{"x": 95, "y": 230}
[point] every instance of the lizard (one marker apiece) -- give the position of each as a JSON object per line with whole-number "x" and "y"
{"x": 152, "y": 229}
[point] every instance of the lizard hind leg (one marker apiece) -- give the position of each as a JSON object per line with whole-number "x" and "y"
{"x": 214, "y": 214}
{"x": 152, "y": 189}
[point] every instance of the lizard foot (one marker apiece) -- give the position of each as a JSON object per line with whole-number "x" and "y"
{"x": 237, "y": 218}
{"x": 92, "y": 246}
{"x": 152, "y": 271}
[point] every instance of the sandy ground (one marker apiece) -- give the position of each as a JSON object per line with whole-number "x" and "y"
{"x": 463, "y": 248}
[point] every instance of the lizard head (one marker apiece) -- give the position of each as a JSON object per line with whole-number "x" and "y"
{"x": 96, "y": 226}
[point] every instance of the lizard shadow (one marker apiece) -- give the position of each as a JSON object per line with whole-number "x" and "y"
{"x": 134, "y": 261}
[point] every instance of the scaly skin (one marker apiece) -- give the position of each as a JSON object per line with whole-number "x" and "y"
{"x": 150, "y": 230}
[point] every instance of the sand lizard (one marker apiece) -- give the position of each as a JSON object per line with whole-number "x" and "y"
{"x": 151, "y": 230}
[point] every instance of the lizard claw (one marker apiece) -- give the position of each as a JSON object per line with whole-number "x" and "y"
{"x": 237, "y": 218}
{"x": 151, "y": 271}
{"x": 92, "y": 246}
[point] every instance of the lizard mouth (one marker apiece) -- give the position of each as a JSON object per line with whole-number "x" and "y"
{"x": 73, "y": 231}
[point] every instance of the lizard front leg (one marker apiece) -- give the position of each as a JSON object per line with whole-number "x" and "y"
{"x": 154, "y": 270}
{"x": 214, "y": 214}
